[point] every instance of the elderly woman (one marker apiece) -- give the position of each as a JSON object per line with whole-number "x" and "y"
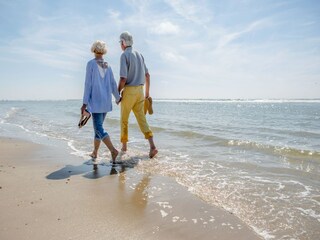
{"x": 97, "y": 99}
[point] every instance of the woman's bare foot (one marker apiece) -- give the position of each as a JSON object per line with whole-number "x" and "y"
{"x": 93, "y": 155}
{"x": 153, "y": 152}
{"x": 114, "y": 154}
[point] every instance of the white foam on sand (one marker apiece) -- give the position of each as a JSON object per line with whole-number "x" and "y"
{"x": 164, "y": 204}
{"x": 175, "y": 218}
{"x": 163, "y": 213}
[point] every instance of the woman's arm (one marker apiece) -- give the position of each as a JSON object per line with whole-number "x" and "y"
{"x": 87, "y": 88}
{"x": 114, "y": 88}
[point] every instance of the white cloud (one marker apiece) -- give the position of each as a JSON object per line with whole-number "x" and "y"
{"x": 254, "y": 26}
{"x": 67, "y": 76}
{"x": 191, "y": 10}
{"x": 172, "y": 57}
{"x": 165, "y": 28}
{"x": 113, "y": 13}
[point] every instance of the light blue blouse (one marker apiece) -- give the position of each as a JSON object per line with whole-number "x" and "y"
{"x": 98, "y": 90}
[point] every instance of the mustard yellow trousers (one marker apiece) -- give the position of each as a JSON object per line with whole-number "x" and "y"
{"x": 133, "y": 99}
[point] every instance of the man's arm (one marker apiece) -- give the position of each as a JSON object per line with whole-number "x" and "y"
{"x": 122, "y": 82}
{"x": 147, "y": 87}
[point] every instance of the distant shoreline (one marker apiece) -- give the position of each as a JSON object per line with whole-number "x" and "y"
{"x": 186, "y": 99}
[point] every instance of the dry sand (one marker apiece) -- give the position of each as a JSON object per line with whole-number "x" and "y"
{"x": 47, "y": 193}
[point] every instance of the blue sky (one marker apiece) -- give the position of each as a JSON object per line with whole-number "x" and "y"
{"x": 193, "y": 49}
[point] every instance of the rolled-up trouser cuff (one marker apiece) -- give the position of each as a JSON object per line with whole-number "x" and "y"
{"x": 148, "y": 135}
{"x": 97, "y": 137}
{"x": 98, "y": 119}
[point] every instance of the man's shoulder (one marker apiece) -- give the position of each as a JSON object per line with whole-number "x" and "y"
{"x": 135, "y": 51}
{"x": 137, "y": 54}
{"x": 131, "y": 54}
{"x": 126, "y": 54}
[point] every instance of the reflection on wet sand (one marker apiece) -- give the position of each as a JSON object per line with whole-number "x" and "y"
{"x": 138, "y": 197}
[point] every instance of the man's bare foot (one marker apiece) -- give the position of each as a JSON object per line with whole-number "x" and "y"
{"x": 153, "y": 152}
{"x": 114, "y": 154}
{"x": 124, "y": 147}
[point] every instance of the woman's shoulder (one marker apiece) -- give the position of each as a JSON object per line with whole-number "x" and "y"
{"x": 92, "y": 61}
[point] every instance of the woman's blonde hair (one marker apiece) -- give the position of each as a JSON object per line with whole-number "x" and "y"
{"x": 99, "y": 47}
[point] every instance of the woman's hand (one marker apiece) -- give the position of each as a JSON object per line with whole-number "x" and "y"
{"x": 83, "y": 108}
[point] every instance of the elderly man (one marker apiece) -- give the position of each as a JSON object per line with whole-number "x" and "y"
{"x": 133, "y": 75}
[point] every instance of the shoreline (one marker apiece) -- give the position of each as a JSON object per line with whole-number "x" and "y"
{"x": 49, "y": 193}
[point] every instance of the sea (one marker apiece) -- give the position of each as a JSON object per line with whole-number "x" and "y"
{"x": 257, "y": 159}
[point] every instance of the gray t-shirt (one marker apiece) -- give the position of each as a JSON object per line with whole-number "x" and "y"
{"x": 132, "y": 67}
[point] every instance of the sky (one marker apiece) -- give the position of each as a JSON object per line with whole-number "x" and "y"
{"x": 205, "y": 49}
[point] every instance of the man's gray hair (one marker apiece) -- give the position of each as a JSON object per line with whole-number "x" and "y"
{"x": 126, "y": 38}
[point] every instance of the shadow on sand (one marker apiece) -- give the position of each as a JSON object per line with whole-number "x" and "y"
{"x": 94, "y": 171}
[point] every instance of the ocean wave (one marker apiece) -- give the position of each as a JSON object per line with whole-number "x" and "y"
{"x": 11, "y": 113}
{"x": 72, "y": 114}
{"x": 247, "y": 144}
{"x": 238, "y": 100}
{"x": 280, "y": 150}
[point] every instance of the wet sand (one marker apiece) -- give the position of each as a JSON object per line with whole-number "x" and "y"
{"x": 46, "y": 193}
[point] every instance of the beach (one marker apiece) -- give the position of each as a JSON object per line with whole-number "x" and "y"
{"x": 220, "y": 163}
{"x": 47, "y": 193}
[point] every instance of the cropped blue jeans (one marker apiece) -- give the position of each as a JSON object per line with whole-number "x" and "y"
{"x": 98, "y": 119}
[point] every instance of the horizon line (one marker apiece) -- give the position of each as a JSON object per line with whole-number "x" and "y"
{"x": 179, "y": 99}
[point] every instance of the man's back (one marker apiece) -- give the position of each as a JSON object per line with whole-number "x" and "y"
{"x": 132, "y": 67}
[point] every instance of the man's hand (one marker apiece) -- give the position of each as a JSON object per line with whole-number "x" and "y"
{"x": 119, "y": 101}
{"x": 147, "y": 86}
